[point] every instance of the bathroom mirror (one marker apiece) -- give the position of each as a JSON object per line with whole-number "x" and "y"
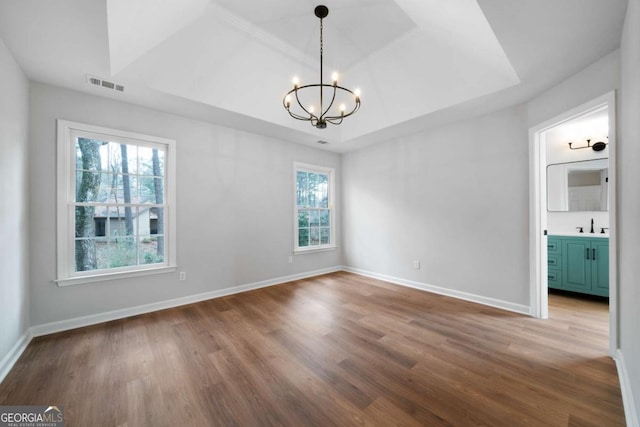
{"x": 578, "y": 186}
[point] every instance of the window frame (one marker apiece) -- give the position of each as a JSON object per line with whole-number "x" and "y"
{"x": 330, "y": 172}
{"x": 66, "y": 176}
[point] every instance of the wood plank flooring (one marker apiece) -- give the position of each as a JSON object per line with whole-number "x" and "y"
{"x": 338, "y": 349}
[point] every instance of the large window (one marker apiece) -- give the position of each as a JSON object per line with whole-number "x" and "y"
{"x": 314, "y": 225}
{"x": 115, "y": 203}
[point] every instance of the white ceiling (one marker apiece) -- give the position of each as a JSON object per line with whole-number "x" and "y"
{"x": 231, "y": 61}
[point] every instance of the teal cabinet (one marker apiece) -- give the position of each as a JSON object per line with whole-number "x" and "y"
{"x": 600, "y": 267}
{"x": 554, "y": 262}
{"x": 579, "y": 264}
{"x": 576, "y": 266}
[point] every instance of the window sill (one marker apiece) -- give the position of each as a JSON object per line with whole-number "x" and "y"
{"x": 314, "y": 250}
{"x": 115, "y": 276}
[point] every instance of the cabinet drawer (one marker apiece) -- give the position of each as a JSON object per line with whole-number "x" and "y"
{"x": 553, "y": 245}
{"x": 554, "y": 278}
{"x": 554, "y": 261}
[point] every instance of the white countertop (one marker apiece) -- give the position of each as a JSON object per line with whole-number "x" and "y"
{"x": 577, "y": 234}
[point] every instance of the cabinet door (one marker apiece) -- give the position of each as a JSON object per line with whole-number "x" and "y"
{"x": 576, "y": 264}
{"x": 600, "y": 267}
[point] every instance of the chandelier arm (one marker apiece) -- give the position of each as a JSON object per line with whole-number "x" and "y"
{"x": 298, "y": 117}
{"x": 333, "y": 98}
{"x": 334, "y": 118}
{"x": 357, "y": 102}
{"x": 311, "y": 115}
{"x": 294, "y": 115}
{"x": 291, "y": 113}
{"x": 345, "y": 89}
{"x": 334, "y": 121}
{"x": 353, "y": 111}
{"x": 295, "y": 92}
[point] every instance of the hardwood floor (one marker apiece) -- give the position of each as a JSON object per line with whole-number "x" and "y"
{"x": 338, "y": 349}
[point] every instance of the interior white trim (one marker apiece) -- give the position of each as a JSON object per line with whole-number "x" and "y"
{"x": 492, "y": 302}
{"x": 330, "y": 172}
{"x": 66, "y": 132}
{"x": 539, "y": 300}
{"x": 115, "y": 275}
{"x": 10, "y": 359}
{"x": 14, "y": 354}
{"x": 48, "y": 328}
{"x": 630, "y": 413}
{"x": 538, "y": 221}
{"x": 78, "y": 322}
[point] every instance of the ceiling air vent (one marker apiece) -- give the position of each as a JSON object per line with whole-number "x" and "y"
{"x": 97, "y": 81}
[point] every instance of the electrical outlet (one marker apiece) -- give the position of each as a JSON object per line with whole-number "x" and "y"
{"x": 183, "y": 275}
{"x": 290, "y": 260}
{"x": 416, "y": 264}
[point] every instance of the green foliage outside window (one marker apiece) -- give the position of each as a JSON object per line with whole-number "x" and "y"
{"x": 119, "y": 204}
{"x": 314, "y": 214}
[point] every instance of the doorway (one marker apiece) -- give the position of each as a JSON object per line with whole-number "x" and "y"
{"x": 549, "y": 145}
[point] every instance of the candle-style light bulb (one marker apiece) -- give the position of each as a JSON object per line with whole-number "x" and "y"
{"x": 342, "y": 108}
{"x": 334, "y": 77}
{"x": 311, "y": 109}
{"x": 295, "y": 81}
{"x": 357, "y": 93}
{"x": 287, "y": 101}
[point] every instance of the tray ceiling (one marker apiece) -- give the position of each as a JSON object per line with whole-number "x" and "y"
{"x": 410, "y": 58}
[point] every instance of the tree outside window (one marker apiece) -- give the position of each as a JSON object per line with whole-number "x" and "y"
{"x": 116, "y": 202}
{"x": 314, "y": 207}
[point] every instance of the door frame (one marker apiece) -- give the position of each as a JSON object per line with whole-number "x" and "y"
{"x": 539, "y": 301}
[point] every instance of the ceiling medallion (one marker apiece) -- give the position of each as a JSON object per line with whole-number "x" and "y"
{"x": 324, "y": 114}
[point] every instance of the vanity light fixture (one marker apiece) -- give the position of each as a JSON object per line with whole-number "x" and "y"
{"x": 322, "y": 116}
{"x": 597, "y": 146}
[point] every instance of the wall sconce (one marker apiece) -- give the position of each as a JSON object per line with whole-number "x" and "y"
{"x": 597, "y": 146}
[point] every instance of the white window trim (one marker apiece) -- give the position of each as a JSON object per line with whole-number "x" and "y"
{"x": 308, "y": 167}
{"x": 65, "y": 222}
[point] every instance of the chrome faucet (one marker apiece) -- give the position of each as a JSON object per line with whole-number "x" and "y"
{"x": 592, "y": 226}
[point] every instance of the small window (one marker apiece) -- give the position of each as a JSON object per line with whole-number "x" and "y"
{"x": 314, "y": 211}
{"x": 116, "y": 211}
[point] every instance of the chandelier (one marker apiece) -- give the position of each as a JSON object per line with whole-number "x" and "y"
{"x": 334, "y": 92}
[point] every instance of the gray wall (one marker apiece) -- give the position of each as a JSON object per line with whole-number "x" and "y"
{"x": 14, "y": 289}
{"x": 454, "y": 198}
{"x": 629, "y": 199}
{"x": 597, "y": 79}
{"x": 234, "y": 210}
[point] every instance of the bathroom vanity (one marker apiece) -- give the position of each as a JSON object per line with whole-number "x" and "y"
{"x": 579, "y": 263}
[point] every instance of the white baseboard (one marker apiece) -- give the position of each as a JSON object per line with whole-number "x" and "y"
{"x": 504, "y": 305}
{"x": 14, "y": 354}
{"x": 78, "y": 322}
{"x": 48, "y": 328}
{"x": 10, "y": 359}
{"x": 630, "y": 411}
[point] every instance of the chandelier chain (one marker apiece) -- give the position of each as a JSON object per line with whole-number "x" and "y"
{"x": 321, "y": 66}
